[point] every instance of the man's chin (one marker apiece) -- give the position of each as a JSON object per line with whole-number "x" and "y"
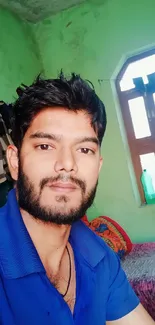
{"x": 59, "y": 219}
{"x": 61, "y": 211}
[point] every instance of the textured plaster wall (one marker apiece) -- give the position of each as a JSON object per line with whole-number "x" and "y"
{"x": 19, "y": 57}
{"x": 35, "y": 10}
{"x": 94, "y": 40}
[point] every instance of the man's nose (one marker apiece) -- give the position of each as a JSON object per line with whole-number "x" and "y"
{"x": 66, "y": 161}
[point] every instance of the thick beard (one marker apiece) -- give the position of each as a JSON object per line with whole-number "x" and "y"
{"x": 29, "y": 201}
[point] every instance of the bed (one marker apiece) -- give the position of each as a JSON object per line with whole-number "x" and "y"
{"x": 139, "y": 266}
{"x": 138, "y": 260}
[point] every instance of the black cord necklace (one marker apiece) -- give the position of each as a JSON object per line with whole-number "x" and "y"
{"x": 70, "y": 273}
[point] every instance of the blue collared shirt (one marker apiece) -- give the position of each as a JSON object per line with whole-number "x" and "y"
{"x": 27, "y": 297}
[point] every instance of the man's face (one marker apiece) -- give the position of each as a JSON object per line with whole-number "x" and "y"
{"x": 59, "y": 165}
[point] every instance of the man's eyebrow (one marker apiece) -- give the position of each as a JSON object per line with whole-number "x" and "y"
{"x": 57, "y": 138}
{"x": 44, "y": 135}
{"x": 88, "y": 139}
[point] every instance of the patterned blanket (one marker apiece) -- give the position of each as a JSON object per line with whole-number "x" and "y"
{"x": 139, "y": 266}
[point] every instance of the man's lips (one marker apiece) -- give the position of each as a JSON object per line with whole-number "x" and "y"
{"x": 63, "y": 187}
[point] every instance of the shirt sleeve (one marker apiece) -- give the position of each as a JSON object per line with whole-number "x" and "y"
{"x": 122, "y": 299}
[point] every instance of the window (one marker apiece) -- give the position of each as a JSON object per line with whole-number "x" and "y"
{"x": 136, "y": 90}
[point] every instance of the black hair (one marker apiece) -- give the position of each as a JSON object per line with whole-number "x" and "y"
{"x": 72, "y": 93}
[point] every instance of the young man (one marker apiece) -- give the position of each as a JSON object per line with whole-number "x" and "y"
{"x": 53, "y": 269}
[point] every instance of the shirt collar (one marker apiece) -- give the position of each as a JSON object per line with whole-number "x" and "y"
{"x": 88, "y": 244}
{"x": 18, "y": 256}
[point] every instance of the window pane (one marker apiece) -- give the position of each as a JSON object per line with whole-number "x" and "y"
{"x": 153, "y": 107}
{"x": 148, "y": 163}
{"x": 154, "y": 97}
{"x": 139, "y": 118}
{"x": 140, "y": 68}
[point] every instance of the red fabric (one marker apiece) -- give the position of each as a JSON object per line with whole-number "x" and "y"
{"x": 112, "y": 233}
{"x": 122, "y": 231}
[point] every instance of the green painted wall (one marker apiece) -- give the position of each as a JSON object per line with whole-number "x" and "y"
{"x": 94, "y": 40}
{"x": 19, "y": 61}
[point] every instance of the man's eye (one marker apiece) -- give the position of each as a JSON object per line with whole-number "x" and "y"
{"x": 44, "y": 147}
{"x": 86, "y": 151}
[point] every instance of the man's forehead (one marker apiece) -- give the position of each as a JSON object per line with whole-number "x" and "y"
{"x": 58, "y": 123}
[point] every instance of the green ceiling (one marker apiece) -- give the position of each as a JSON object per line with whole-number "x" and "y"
{"x": 35, "y": 10}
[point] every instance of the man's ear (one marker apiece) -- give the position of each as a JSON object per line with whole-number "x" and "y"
{"x": 12, "y": 159}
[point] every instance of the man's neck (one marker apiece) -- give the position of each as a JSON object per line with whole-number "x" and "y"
{"x": 50, "y": 240}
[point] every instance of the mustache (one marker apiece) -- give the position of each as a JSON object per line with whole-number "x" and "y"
{"x": 63, "y": 178}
